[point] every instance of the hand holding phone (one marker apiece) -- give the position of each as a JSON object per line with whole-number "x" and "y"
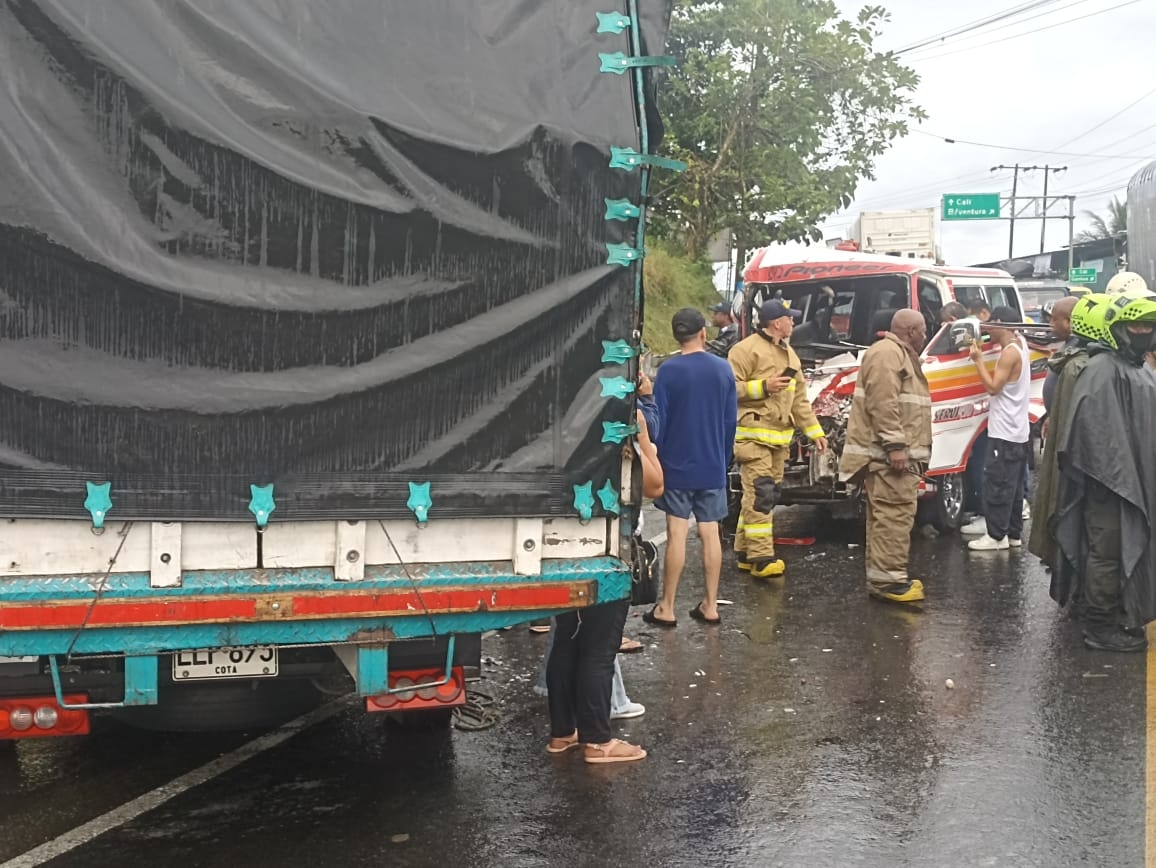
{"x": 777, "y": 384}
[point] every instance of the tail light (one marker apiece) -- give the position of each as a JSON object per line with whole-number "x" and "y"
{"x": 419, "y": 688}
{"x": 41, "y": 717}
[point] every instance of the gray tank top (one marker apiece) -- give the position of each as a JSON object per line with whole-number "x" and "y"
{"x": 1008, "y": 415}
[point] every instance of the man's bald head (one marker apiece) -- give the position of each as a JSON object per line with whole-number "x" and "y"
{"x": 908, "y": 325}
{"x": 1061, "y": 321}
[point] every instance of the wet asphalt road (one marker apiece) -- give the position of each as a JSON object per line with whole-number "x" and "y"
{"x": 814, "y": 728}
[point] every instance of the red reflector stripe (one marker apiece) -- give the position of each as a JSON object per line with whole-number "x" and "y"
{"x": 107, "y": 612}
{"x": 447, "y": 600}
{"x": 114, "y": 613}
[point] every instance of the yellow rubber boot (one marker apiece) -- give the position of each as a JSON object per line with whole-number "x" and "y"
{"x": 912, "y": 593}
{"x": 767, "y": 569}
{"x": 742, "y": 562}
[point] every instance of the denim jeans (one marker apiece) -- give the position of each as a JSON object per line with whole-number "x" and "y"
{"x": 619, "y": 701}
{"x": 580, "y": 670}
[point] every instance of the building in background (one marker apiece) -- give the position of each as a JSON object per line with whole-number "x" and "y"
{"x": 907, "y": 234}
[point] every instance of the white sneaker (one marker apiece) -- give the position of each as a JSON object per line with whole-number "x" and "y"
{"x": 1027, "y": 513}
{"x": 987, "y": 544}
{"x": 632, "y": 709}
{"x": 977, "y": 527}
{"x": 1015, "y": 543}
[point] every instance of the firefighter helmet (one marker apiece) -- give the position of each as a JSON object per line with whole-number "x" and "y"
{"x": 1128, "y": 283}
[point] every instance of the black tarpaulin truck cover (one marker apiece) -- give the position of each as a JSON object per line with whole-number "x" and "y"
{"x": 337, "y": 247}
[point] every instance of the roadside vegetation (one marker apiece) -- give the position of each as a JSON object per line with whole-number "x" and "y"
{"x": 671, "y": 282}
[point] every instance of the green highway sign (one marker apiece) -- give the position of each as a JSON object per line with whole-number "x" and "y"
{"x": 971, "y": 206}
{"x": 1083, "y": 275}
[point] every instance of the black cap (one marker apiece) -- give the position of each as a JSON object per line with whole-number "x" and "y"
{"x": 687, "y": 323}
{"x": 1004, "y": 314}
{"x": 775, "y": 309}
{"x": 721, "y": 307}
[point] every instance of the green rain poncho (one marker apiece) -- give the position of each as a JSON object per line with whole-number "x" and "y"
{"x": 1109, "y": 438}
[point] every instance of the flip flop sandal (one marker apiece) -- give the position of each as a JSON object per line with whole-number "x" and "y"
{"x": 563, "y": 745}
{"x": 651, "y": 618}
{"x": 697, "y": 614}
{"x": 630, "y": 646}
{"x": 606, "y": 753}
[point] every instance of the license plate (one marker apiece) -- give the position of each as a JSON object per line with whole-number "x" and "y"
{"x": 256, "y": 661}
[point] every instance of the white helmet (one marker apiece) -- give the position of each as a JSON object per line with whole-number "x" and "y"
{"x": 1128, "y": 283}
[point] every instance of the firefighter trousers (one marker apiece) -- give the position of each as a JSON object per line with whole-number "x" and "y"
{"x": 755, "y": 534}
{"x": 891, "y": 502}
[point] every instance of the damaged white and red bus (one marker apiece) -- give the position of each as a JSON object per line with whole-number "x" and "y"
{"x": 847, "y": 300}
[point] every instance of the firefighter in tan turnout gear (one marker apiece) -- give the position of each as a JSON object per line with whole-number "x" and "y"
{"x": 772, "y": 404}
{"x": 888, "y": 447}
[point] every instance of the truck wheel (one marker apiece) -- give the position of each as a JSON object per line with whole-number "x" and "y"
{"x": 225, "y": 706}
{"x": 949, "y": 500}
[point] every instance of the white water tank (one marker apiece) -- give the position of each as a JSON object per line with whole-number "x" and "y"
{"x": 1142, "y": 223}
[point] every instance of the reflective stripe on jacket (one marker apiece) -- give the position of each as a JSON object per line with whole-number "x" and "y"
{"x": 770, "y": 419}
{"x": 891, "y": 408}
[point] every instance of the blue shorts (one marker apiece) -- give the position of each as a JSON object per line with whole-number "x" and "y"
{"x": 709, "y": 505}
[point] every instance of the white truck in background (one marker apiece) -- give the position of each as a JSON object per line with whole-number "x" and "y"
{"x": 908, "y": 234}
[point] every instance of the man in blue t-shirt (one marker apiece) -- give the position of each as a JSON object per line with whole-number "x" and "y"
{"x": 697, "y": 411}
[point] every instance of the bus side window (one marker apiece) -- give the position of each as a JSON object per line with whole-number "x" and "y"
{"x": 1005, "y": 296}
{"x": 965, "y": 295}
{"x": 930, "y": 303}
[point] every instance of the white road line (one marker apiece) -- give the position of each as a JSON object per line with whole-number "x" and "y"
{"x": 129, "y": 811}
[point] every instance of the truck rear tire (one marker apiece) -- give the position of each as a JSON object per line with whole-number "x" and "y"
{"x": 221, "y": 707}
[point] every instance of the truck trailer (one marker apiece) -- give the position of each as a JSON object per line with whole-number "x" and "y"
{"x": 908, "y": 234}
{"x": 319, "y": 333}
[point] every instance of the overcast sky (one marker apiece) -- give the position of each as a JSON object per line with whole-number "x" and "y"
{"x": 1051, "y": 90}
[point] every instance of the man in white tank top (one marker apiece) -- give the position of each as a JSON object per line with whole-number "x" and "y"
{"x": 1009, "y": 435}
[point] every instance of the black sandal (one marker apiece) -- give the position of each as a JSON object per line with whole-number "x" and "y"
{"x": 651, "y": 618}
{"x": 697, "y": 614}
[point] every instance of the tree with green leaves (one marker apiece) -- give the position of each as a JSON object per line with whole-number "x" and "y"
{"x": 1114, "y": 224}
{"x": 779, "y": 108}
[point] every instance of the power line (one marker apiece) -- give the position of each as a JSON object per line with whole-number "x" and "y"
{"x": 1109, "y": 119}
{"x": 918, "y": 196}
{"x": 1114, "y": 184}
{"x": 1113, "y": 172}
{"x": 911, "y": 194}
{"x": 1130, "y": 136}
{"x": 937, "y": 185}
{"x": 1026, "y": 33}
{"x": 952, "y": 141}
{"x": 1087, "y": 194}
{"x": 913, "y": 197}
{"x": 1019, "y": 21}
{"x": 978, "y": 24}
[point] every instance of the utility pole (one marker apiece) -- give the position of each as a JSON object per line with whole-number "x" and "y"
{"x": 1044, "y": 218}
{"x": 1011, "y": 235}
{"x": 1042, "y": 202}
